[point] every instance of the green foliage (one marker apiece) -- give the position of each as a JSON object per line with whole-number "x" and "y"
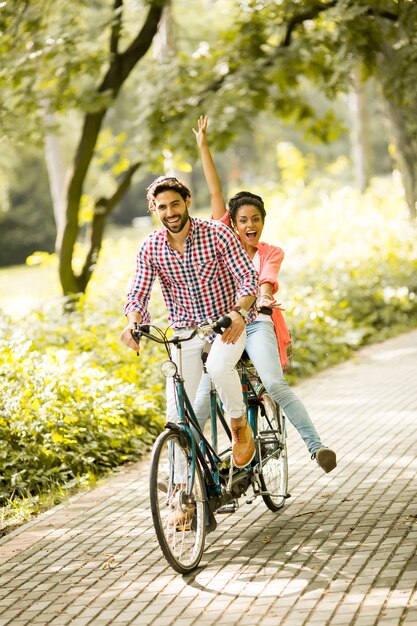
{"x": 52, "y": 54}
{"x": 73, "y": 402}
{"x": 275, "y": 57}
{"x": 26, "y": 221}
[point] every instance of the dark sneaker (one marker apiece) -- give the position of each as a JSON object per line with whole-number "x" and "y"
{"x": 325, "y": 458}
{"x": 243, "y": 446}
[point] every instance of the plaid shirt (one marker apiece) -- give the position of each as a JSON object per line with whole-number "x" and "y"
{"x": 203, "y": 283}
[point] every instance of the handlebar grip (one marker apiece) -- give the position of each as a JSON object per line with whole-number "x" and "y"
{"x": 138, "y": 330}
{"x": 223, "y": 322}
{"x": 144, "y": 328}
{"x": 266, "y": 310}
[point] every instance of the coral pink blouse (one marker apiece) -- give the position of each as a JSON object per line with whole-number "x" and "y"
{"x": 270, "y": 258}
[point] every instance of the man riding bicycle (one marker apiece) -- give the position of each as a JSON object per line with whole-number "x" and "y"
{"x": 204, "y": 273}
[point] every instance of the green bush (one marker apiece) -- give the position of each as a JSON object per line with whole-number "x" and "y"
{"x": 73, "y": 403}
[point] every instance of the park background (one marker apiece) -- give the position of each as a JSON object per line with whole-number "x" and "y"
{"x": 311, "y": 104}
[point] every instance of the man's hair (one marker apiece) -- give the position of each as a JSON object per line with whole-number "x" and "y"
{"x": 243, "y": 198}
{"x": 166, "y": 183}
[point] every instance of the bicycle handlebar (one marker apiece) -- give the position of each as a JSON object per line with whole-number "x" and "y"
{"x": 206, "y": 328}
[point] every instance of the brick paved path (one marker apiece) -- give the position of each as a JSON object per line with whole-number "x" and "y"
{"x": 342, "y": 551}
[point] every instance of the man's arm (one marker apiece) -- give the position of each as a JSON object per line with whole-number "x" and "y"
{"x": 246, "y": 276}
{"x": 138, "y": 296}
{"x": 218, "y": 205}
{"x": 232, "y": 334}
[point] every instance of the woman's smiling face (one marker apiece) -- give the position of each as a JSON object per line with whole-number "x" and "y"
{"x": 249, "y": 224}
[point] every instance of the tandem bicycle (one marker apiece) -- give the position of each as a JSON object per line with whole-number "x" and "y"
{"x": 192, "y": 477}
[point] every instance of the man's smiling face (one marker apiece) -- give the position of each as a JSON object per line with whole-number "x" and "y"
{"x": 172, "y": 210}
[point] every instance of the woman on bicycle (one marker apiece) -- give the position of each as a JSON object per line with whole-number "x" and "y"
{"x": 267, "y": 335}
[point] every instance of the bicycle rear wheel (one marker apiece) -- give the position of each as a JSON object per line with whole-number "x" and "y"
{"x": 178, "y": 512}
{"x": 273, "y": 459}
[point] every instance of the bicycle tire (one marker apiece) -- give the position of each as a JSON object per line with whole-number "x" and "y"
{"x": 179, "y": 519}
{"x": 273, "y": 461}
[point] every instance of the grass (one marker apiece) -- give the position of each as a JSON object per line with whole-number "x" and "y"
{"x": 19, "y": 511}
{"x": 24, "y": 288}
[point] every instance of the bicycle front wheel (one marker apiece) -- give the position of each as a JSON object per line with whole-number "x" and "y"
{"x": 272, "y": 448}
{"x": 177, "y": 501}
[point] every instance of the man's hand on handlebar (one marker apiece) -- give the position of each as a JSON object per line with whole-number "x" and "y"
{"x": 233, "y": 332}
{"x": 230, "y": 323}
{"x": 127, "y": 338}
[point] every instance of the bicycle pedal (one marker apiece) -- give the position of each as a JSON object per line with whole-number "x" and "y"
{"x": 183, "y": 528}
{"x": 227, "y": 508}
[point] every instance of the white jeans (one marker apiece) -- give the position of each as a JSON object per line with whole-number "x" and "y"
{"x": 262, "y": 349}
{"x": 221, "y": 365}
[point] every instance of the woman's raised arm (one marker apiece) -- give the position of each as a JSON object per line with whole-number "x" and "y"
{"x": 218, "y": 205}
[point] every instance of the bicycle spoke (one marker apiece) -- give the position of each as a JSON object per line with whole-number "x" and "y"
{"x": 179, "y": 515}
{"x": 273, "y": 453}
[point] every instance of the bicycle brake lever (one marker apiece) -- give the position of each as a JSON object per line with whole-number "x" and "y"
{"x": 136, "y": 334}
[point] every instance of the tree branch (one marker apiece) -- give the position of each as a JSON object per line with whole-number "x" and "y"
{"x": 299, "y": 18}
{"x": 106, "y": 205}
{"x": 102, "y": 209}
{"x": 123, "y": 63}
{"x": 388, "y": 15}
{"x": 120, "y": 67}
{"x": 116, "y": 27}
{"x": 292, "y": 24}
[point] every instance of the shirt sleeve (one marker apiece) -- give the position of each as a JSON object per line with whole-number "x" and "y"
{"x": 237, "y": 262}
{"x": 271, "y": 257}
{"x": 141, "y": 283}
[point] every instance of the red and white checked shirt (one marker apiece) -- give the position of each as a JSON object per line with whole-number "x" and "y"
{"x": 203, "y": 283}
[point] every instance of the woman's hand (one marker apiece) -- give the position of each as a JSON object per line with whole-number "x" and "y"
{"x": 268, "y": 301}
{"x": 200, "y": 135}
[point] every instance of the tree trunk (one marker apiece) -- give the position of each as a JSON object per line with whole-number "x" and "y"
{"x": 165, "y": 44}
{"x": 164, "y": 49}
{"x": 405, "y": 154}
{"x": 55, "y": 166}
{"x": 122, "y": 63}
{"x": 359, "y": 133}
{"x": 401, "y": 123}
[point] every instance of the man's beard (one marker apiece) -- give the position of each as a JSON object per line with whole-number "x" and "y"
{"x": 178, "y": 226}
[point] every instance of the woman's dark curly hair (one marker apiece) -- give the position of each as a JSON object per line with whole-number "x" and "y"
{"x": 243, "y": 198}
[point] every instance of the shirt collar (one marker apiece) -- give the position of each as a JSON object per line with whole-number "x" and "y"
{"x": 190, "y": 235}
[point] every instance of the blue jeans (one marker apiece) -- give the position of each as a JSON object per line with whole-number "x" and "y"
{"x": 262, "y": 348}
